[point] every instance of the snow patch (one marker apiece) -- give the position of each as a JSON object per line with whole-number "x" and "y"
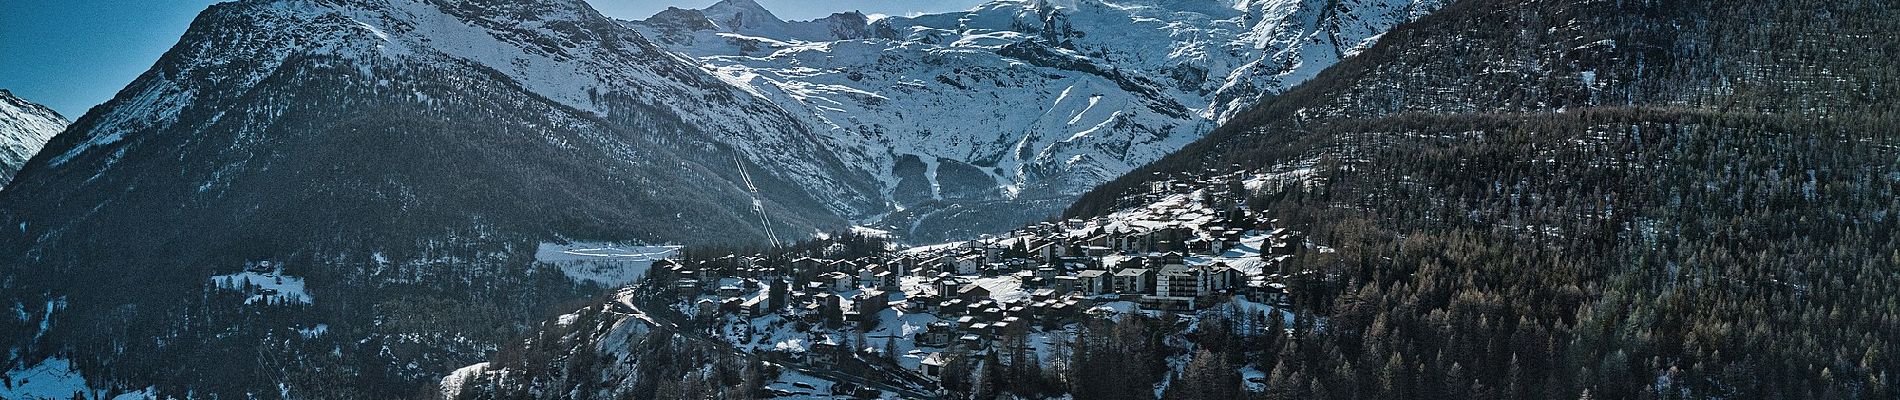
{"x": 314, "y": 331}
{"x": 266, "y": 287}
{"x": 452, "y": 384}
{"x": 606, "y": 264}
{"x": 50, "y": 379}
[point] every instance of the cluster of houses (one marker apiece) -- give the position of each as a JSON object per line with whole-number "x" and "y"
{"x": 1176, "y": 256}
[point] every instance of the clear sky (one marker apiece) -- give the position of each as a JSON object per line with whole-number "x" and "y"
{"x": 73, "y": 54}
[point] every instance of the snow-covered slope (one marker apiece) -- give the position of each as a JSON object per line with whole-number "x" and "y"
{"x": 24, "y": 128}
{"x": 398, "y": 151}
{"x": 602, "y": 87}
{"x": 980, "y": 120}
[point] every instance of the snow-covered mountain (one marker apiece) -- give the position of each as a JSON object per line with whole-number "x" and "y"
{"x": 601, "y": 97}
{"x": 24, "y": 128}
{"x": 981, "y": 120}
{"x": 395, "y": 157}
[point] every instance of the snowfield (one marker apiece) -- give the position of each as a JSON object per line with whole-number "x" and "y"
{"x": 605, "y": 264}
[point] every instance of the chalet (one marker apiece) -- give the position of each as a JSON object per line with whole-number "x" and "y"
{"x": 825, "y": 352}
{"x": 811, "y": 312}
{"x": 967, "y": 322}
{"x": 1093, "y": 282}
{"x": 868, "y": 273}
{"x": 1134, "y": 281}
{"x": 807, "y": 262}
{"x": 945, "y": 286}
{"x": 718, "y": 266}
{"x": 951, "y": 306}
{"x": 922, "y": 303}
{"x": 1157, "y": 261}
{"x": 932, "y": 366}
{"x": 991, "y": 312}
{"x": 1178, "y": 281}
{"x": 869, "y": 303}
{"x": 1049, "y": 251}
{"x": 1065, "y": 284}
{"x": 946, "y": 263}
{"x": 830, "y": 306}
{"x": 665, "y": 268}
{"x": 731, "y": 305}
{"x": 1042, "y": 294}
{"x": 1065, "y": 309}
{"x": 1283, "y": 248}
{"x": 778, "y": 294}
{"x": 1046, "y": 272}
{"x": 905, "y": 265}
{"x": 1135, "y": 262}
{"x": 754, "y": 307}
{"x": 840, "y": 281}
{"x": 968, "y": 265}
{"x": 750, "y": 262}
{"x": 1003, "y": 326}
{"x": 937, "y": 334}
{"x": 979, "y": 307}
{"x": 1204, "y": 246}
{"x": 998, "y": 327}
{"x": 884, "y": 280}
{"x": 993, "y": 254}
{"x": 1171, "y": 238}
{"x": 686, "y": 287}
{"x": 842, "y": 266}
{"x": 973, "y": 292}
{"x": 1221, "y": 278}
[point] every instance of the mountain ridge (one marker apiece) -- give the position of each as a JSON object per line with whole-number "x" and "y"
{"x": 400, "y": 158}
{"x": 1111, "y": 85}
{"x": 25, "y": 127}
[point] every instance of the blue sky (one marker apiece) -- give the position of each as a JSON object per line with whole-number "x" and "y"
{"x": 73, "y": 54}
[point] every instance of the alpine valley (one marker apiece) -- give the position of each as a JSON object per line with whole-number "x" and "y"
{"x": 404, "y": 164}
{"x": 1028, "y": 199}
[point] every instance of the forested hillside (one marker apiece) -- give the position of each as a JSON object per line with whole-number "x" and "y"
{"x": 1563, "y": 199}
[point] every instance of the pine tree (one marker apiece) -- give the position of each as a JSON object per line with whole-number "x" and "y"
{"x": 989, "y": 381}
{"x": 890, "y": 349}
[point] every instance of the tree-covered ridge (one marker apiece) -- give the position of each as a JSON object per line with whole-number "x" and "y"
{"x": 1543, "y": 255}
{"x": 1801, "y": 58}
{"x": 1559, "y": 199}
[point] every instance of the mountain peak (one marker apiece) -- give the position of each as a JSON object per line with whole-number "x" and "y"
{"x": 680, "y": 18}
{"x": 737, "y": 5}
{"x": 15, "y": 100}
{"x": 736, "y": 15}
{"x": 24, "y": 128}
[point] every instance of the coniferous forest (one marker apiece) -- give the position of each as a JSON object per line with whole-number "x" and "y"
{"x": 1648, "y": 200}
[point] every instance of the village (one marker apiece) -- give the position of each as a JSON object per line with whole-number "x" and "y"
{"x": 1193, "y": 246}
